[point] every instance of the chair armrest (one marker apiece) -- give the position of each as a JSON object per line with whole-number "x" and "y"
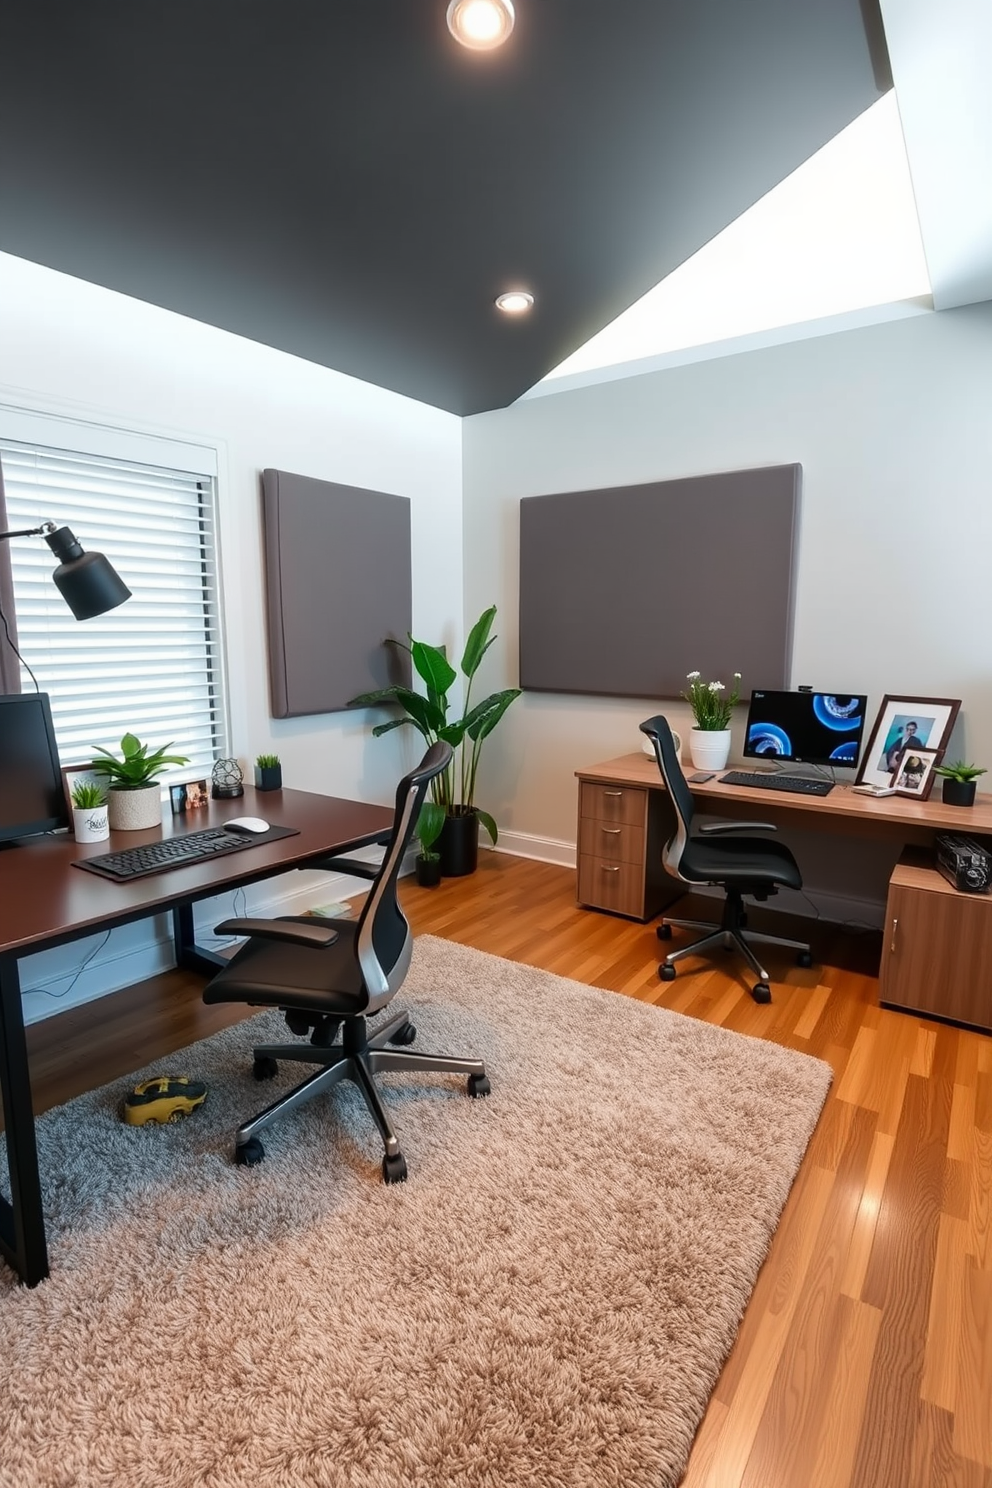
{"x": 353, "y": 867}
{"x": 317, "y": 936}
{"x": 739, "y": 826}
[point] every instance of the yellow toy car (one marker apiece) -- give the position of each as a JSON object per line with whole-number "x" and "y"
{"x": 163, "y": 1098}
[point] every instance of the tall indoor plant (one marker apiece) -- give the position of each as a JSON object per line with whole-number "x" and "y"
{"x": 428, "y": 712}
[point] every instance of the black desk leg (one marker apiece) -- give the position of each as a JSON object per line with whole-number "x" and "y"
{"x": 22, "y": 1223}
{"x": 188, "y": 953}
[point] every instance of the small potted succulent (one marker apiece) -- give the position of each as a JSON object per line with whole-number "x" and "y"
{"x": 134, "y": 795}
{"x": 89, "y": 812}
{"x": 268, "y": 772}
{"x": 427, "y": 864}
{"x": 958, "y": 788}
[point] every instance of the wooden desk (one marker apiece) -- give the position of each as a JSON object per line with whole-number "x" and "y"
{"x": 938, "y": 942}
{"x": 47, "y": 902}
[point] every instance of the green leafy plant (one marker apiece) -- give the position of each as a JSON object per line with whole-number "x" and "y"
{"x": 959, "y": 771}
{"x": 136, "y": 767}
{"x": 710, "y": 708}
{"x": 86, "y": 794}
{"x": 430, "y": 824}
{"x": 453, "y": 790}
{"x": 267, "y": 761}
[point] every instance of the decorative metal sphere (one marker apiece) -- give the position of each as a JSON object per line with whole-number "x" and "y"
{"x": 228, "y": 778}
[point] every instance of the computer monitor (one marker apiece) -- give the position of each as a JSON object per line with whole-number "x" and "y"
{"x": 814, "y": 728}
{"x": 32, "y": 796}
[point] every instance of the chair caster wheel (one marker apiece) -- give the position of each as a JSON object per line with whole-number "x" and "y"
{"x": 394, "y": 1168}
{"x": 664, "y": 932}
{"x": 804, "y": 959}
{"x": 478, "y": 1085}
{"x": 761, "y": 992}
{"x": 666, "y": 972}
{"x": 265, "y": 1068}
{"x": 404, "y": 1035}
{"x": 247, "y": 1154}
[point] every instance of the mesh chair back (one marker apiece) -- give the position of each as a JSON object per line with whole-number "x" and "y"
{"x": 383, "y": 941}
{"x": 659, "y": 732}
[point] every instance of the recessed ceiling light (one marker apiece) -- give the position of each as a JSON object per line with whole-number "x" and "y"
{"x": 514, "y": 302}
{"x": 480, "y": 24}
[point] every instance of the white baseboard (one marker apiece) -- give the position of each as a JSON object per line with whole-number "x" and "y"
{"x": 541, "y": 849}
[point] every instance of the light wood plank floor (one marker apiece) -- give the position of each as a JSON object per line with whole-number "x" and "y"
{"x": 865, "y": 1357}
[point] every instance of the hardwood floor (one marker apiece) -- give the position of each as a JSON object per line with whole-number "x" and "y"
{"x": 865, "y": 1357}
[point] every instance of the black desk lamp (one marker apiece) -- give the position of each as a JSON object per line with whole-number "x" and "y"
{"x": 87, "y": 581}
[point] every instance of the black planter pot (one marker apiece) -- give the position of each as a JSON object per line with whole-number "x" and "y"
{"x": 958, "y": 792}
{"x": 458, "y": 843}
{"x": 268, "y": 777}
{"x": 428, "y": 871}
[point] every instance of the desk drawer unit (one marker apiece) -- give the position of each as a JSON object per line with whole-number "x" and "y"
{"x": 619, "y": 850}
{"x": 937, "y": 949}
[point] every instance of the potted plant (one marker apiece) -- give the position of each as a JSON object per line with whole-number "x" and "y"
{"x": 89, "y": 812}
{"x": 427, "y": 864}
{"x": 709, "y": 738}
{"x": 454, "y": 789}
{"x": 268, "y": 772}
{"x": 134, "y": 796}
{"x": 958, "y": 787}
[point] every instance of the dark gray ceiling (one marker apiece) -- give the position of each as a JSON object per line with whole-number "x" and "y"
{"x": 337, "y": 178}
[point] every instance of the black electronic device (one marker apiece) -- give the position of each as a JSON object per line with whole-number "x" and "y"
{"x": 32, "y": 795}
{"x": 812, "y": 728}
{"x": 800, "y": 785}
{"x": 965, "y": 863}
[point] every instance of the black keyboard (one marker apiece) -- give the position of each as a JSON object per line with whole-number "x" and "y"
{"x": 800, "y": 785}
{"x": 172, "y": 852}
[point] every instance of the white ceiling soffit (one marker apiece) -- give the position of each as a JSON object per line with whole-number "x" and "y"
{"x": 941, "y": 56}
{"x": 838, "y": 236}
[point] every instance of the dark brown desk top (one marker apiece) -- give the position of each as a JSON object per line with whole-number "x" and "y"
{"x": 842, "y": 805}
{"x": 44, "y": 900}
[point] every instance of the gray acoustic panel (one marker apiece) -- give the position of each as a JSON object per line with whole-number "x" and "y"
{"x": 624, "y": 591}
{"x": 337, "y": 587}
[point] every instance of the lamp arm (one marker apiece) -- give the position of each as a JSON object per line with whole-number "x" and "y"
{"x": 29, "y": 531}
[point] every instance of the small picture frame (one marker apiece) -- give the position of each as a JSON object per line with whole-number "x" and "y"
{"x": 914, "y": 776}
{"x": 903, "y": 725}
{"x": 78, "y": 775}
{"x": 191, "y": 795}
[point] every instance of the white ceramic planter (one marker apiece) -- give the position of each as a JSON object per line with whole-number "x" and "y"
{"x": 709, "y": 748}
{"x": 90, "y": 823}
{"x": 135, "y": 810}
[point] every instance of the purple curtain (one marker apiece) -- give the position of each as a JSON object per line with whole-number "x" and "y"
{"x": 10, "y": 667}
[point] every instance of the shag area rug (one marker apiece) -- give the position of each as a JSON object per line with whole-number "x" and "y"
{"x": 547, "y": 1301}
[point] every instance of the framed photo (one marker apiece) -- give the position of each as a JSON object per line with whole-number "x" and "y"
{"x": 77, "y": 775}
{"x": 192, "y": 795}
{"x": 905, "y": 725}
{"x": 914, "y": 775}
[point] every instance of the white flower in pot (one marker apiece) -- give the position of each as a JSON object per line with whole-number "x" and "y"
{"x": 134, "y": 795}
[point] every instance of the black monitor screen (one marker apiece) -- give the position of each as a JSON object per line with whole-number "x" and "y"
{"x": 818, "y": 728}
{"x": 32, "y": 797}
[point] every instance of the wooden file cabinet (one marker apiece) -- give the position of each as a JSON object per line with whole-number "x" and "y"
{"x": 937, "y": 950}
{"x": 621, "y": 833}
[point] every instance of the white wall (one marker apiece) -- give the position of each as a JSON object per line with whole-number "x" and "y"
{"x": 891, "y": 425}
{"x": 73, "y": 348}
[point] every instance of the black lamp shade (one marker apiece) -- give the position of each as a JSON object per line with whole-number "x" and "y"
{"x": 87, "y": 582}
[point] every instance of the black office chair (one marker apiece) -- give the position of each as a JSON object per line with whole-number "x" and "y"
{"x": 739, "y": 865}
{"x": 330, "y": 979}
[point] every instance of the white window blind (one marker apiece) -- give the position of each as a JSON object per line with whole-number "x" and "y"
{"x": 153, "y": 666}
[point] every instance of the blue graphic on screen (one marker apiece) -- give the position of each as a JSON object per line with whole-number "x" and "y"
{"x": 815, "y": 728}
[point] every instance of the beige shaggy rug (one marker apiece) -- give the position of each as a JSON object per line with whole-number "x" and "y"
{"x": 546, "y": 1302}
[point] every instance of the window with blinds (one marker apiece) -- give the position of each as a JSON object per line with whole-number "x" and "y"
{"x": 153, "y": 666}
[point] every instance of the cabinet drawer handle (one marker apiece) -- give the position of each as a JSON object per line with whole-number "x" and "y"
{"x": 612, "y": 793}
{"x": 892, "y": 943}
{"x": 608, "y": 869}
{"x": 612, "y": 831}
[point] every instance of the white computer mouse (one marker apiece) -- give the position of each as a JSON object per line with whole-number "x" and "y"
{"x": 246, "y": 824}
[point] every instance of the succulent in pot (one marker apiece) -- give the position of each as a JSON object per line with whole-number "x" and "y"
{"x": 133, "y": 792}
